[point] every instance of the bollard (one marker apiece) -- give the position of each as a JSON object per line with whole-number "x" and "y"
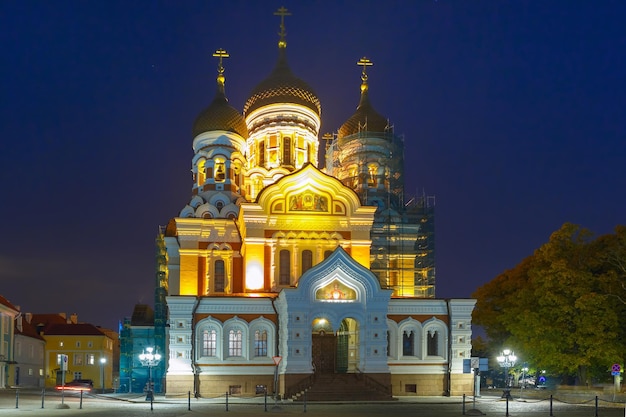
{"x": 265, "y": 400}
{"x": 151, "y": 401}
{"x": 596, "y": 406}
{"x": 188, "y": 400}
{"x": 226, "y": 401}
{"x": 551, "y": 406}
{"x": 80, "y": 407}
{"x": 43, "y": 396}
{"x": 17, "y": 398}
{"x": 507, "y": 406}
{"x": 463, "y": 404}
{"x": 305, "y": 401}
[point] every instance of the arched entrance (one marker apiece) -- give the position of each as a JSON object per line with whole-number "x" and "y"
{"x": 335, "y": 352}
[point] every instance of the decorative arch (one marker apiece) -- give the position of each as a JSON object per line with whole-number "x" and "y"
{"x": 435, "y": 338}
{"x": 235, "y": 337}
{"x": 208, "y": 340}
{"x": 260, "y": 348}
{"x": 409, "y": 338}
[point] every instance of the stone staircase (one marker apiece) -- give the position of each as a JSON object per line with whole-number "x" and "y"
{"x": 343, "y": 387}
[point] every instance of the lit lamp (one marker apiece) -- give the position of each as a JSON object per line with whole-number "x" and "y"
{"x": 506, "y": 360}
{"x": 102, "y": 362}
{"x": 149, "y": 359}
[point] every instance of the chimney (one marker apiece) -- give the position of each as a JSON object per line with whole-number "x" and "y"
{"x": 18, "y": 323}
{"x": 74, "y": 318}
{"x": 29, "y": 317}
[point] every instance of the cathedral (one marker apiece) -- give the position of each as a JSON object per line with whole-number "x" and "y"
{"x": 279, "y": 271}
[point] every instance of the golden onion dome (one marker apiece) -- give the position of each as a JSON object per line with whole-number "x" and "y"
{"x": 366, "y": 118}
{"x": 282, "y": 87}
{"x": 220, "y": 115}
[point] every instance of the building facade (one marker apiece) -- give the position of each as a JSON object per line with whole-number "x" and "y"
{"x": 29, "y": 353}
{"x": 277, "y": 270}
{"x": 8, "y": 314}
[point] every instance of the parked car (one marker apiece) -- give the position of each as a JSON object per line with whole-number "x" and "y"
{"x": 77, "y": 385}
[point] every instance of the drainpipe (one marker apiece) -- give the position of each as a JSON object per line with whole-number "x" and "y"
{"x": 449, "y": 377}
{"x": 276, "y": 343}
{"x": 194, "y": 368}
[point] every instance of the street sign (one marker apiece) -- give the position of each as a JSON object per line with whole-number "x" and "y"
{"x": 616, "y": 367}
{"x": 277, "y": 360}
{"x": 64, "y": 362}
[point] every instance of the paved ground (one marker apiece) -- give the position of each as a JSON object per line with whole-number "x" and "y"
{"x": 29, "y": 403}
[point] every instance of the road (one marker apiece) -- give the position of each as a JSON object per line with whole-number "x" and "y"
{"x": 29, "y": 404}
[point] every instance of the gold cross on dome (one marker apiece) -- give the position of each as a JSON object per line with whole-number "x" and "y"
{"x": 221, "y": 53}
{"x": 364, "y": 62}
{"x": 282, "y": 12}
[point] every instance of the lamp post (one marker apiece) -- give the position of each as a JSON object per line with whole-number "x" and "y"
{"x": 102, "y": 362}
{"x": 506, "y": 360}
{"x": 149, "y": 359}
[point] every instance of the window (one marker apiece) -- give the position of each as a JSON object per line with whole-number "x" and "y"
{"x": 433, "y": 343}
{"x": 91, "y": 359}
{"x": 261, "y": 153}
{"x": 284, "y": 267}
{"x": 408, "y": 343}
{"x": 209, "y": 343}
{"x": 78, "y": 359}
{"x": 307, "y": 260}
{"x": 220, "y": 170}
{"x": 90, "y": 344}
{"x": 201, "y": 172}
{"x": 260, "y": 343}
{"x": 77, "y": 344}
{"x": 218, "y": 284}
{"x": 235, "y": 343}
{"x": 78, "y": 375}
{"x": 287, "y": 151}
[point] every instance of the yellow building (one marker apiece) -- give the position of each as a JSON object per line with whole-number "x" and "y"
{"x": 280, "y": 273}
{"x": 88, "y": 348}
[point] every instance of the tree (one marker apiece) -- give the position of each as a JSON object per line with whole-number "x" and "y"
{"x": 556, "y": 308}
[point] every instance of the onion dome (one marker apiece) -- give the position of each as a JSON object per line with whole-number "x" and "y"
{"x": 365, "y": 118}
{"x": 282, "y": 86}
{"x": 220, "y": 115}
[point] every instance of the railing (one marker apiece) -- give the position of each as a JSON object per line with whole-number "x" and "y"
{"x": 302, "y": 385}
{"x": 371, "y": 382}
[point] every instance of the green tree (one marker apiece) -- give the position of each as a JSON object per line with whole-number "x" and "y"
{"x": 559, "y": 308}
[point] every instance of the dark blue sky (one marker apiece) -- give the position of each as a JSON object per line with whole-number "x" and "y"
{"x": 513, "y": 114}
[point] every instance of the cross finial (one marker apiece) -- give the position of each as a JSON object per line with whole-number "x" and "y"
{"x": 220, "y": 53}
{"x": 282, "y": 12}
{"x": 364, "y": 62}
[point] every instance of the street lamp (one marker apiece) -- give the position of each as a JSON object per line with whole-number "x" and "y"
{"x": 507, "y": 360}
{"x": 102, "y": 362}
{"x": 149, "y": 359}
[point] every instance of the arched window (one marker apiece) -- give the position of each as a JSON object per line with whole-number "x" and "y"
{"x": 307, "y": 260}
{"x": 284, "y": 267}
{"x": 220, "y": 170}
{"x": 408, "y": 343}
{"x": 219, "y": 276}
{"x": 201, "y": 172}
{"x": 235, "y": 342}
{"x": 261, "y": 153}
{"x": 432, "y": 347}
{"x": 260, "y": 343}
{"x": 286, "y": 151}
{"x": 209, "y": 343}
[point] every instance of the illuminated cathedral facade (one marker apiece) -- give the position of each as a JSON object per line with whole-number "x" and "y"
{"x": 278, "y": 271}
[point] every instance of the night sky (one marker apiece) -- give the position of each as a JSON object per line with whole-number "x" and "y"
{"x": 513, "y": 115}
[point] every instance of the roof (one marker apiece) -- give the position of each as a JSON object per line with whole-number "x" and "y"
{"x": 143, "y": 315}
{"x": 28, "y": 330}
{"x": 281, "y": 86}
{"x": 8, "y": 304}
{"x": 80, "y": 329}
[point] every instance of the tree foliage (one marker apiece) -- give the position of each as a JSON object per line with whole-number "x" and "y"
{"x": 562, "y": 308}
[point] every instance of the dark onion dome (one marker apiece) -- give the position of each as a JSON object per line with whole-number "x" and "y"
{"x": 365, "y": 118}
{"x": 220, "y": 115}
{"x": 282, "y": 87}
